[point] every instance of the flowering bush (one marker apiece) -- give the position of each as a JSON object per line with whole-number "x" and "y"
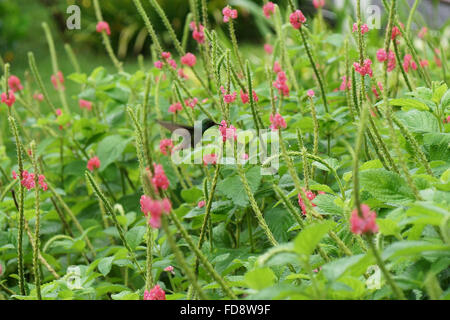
{"x": 333, "y": 162}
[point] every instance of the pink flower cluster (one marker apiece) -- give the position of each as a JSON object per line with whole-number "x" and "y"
{"x": 177, "y": 106}
{"x": 58, "y": 81}
{"x": 382, "y": 56}
{"x": 209, "y": 159}
{"x": 228, "y": 133}
{"x": 345, "y": 84}
{"x": 14, "y": 84}
{"x": 228, "y": 97}
{"x": 156, "y": 293}
{"x": 159, "y": 180}
{"x": 38, "y": 97}
{"x": 297, "y": 19}
{"x": 277, "y": 122}
{"x": 375, "y": 91}
{"x": 103, "y": 26}
{"x": 166, "y": 146}
{"x": 189, "y": 60}
{"x": 84, "y": 104}
{"x": 191, "y": 103}
{"x": 318, "y": 3}
{"x": 229, "y": 13}
{"x": 364, "y": 28}
{"x": 395, "y": 32}
{"x": 268, "y": 48}
{"x": 245, "y": 97}
{"x": 311, "y": 196}
{"x": 365, "y": 224}
{"x": 408, "y": 62}
{"x": 169, "y": 269}
{"x": 8, "y": 99}
{"x": 28, "y": 180}
{"x": 365, "y": 68}
{"x": 155, "y": 208}
{"x": 269, "y": 9}
{"x": 281, "y": 81}
{"x": 93, "y": 163}
{"x": 197, "y": 33}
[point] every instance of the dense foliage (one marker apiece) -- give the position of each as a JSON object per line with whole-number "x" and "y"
{"x": 94, "y": 203}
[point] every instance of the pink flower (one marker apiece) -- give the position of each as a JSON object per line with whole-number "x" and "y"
{"x": 269, "y": 9}
{"x": 229, "y": 13}
{"x": 228, "y": 97}
{"x": 159, "y": 180}
{"x": 281, "y": 84}
{"x": 158, "y": 64}
{"x": 424, "y": 63}
{"x": 201, "y": 203}
{"x": 28, "y": 180}
{"x": 277, "y": 67}
{"x": 365, "y": 68}
{"x": 14, "y": 83}
{"x": 38, "y": 96}
{"x": 447, "y": 120}
{"x": 154, "y": 208}
{"x": 166, "y": 55}
{"x": 103, "y": 26}
{"x": 85, "y": 104}
{"x": 155, "y": 294}
{"x": 277, "y": 122}
{"x": 365, "y": 224}
{"x": 197, "y": 33}
{"x": 169, "y": 269}
{"x": 297, "y": 19}
{"x": 181, "y": 74}
{"x": 209, "y": 159}
{"x": 58, "y": 112}
{"x": 8, "y": 99}
{"x": 310, "y": 196}
{"x": 172, "y": 63}
{"x": 310, "y": 93}
{"x": 245, "y": 98}
{"x": 345, "y": 84}
{"x": 42, "y": 183}
{"x": 58, "y": 81}
{"x": 189, "y": 59}
{"x": 364, "y": 28}
{"x": 191, "y": 103}
{"x": 407, "y": 62}
{"x": 318, "y": 3}
{"x": 268, "y": 48}
{"x": 381, "y": 55}
{"x": 374, "y": 89}
{"x": 14, "y": 174}
{"x": 93, "y": 163}
{"x": 175, "y": 107}
{"x": 423, "y": 32}
{"x": 395, "y": 32}
{"x": 228, "y": 133}
{"x": 244, "y": 156}
{"x": 166, "y": 146}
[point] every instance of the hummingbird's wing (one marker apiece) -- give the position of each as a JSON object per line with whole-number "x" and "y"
{"x": 171, "y": 126}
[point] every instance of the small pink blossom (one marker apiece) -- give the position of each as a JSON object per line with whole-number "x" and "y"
{"x": 8, "y": 99}
{"x": 345, "y": 84}
{"x": 228, "y": 97}
{"x": 424, "y": 63}
{"x": 229, "y": 13}
{"x": 423, "y": 32}
{"x": 197, "y": 33}
{"x": 245, "y": 97}
{"x": 172, "y": 63}
{"x": 58, "y": 112}
{"x": 28, "y": 180}
{"x": 181, "y": 74}
{"x": 408, "y": 62}
{"x": 38, "y": 96}
{"x": 103, "y": 26}
{"x": 166, "y": 146}
{"x": 268, "y": 48}
{"x": 365, "y": 224}
{"x": 365, "y": 68}
{"x": 228, "y": 133}
{"x": 277, "y": 122}
{"x": 209, "y": 159}
{"x": 93, "y": 163}
{"x": 310, "y": 196}
{"x": 85, "y": 104}
{"x": 189, "y": 59}
{"x": 310, "y": 93}
{"x": 191, "y": 103}
{"x": 364, "y": 28}
{"x": 175, "y": 107}
{"x": 42, "y": 183}
{"x": 166, "y": 55}
{"x": 155, "y": 294}
{"x": 297, "y": 19}
{"x": 447, "y": 120}
{"x": 269, "y": 9}
{"x": 281, "y": 84}
{"x": 169, "y": 269}
{"x": 154, "y": 209}
{"x": 318, "y": 3}
{"x": 14, "y": 174}
{"x": 14, "y": 84}
{"x": 244, "y": 156}
{"x": 160, "y": 180}
{"x": 58, "y": 81}
{"x": 277, "y": 67}
{"x": 158, "y": 64}
{"x": 395, "y": 32}
{"x": 201, "y": 203}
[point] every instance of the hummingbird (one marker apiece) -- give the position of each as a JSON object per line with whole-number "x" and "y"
{"x": 191, "y": 135}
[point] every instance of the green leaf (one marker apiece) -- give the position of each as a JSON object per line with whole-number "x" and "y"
{"x": 110, "y": 149}
{"x": 438, "y": 93}
{"x": 354, "y": 265}
{"x": 233, "y": 188}
{"x": 386, "y": 186}
{"x": 419, "y": 121}
{"x": 80, "y": 78}
{"x": 105, "y": 264}
{"x": 279, "y": 221}
{"x": 310, "y": 236}
{"x": 437, "y": 146}
{"x": 260, "y": 278}
{"x": 411, "y": 248}
{"x": 408, "y": 103}
{"x": 326, "y": 204}
{"x": 134, "y": 236}
{"x": 125, "y": 295}
{"x": 191, "y": 195}
{"x": 388, "y": 227}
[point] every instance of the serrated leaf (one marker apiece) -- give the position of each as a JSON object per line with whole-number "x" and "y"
{"x": 260, "y": 278}
{"x": 110, "y": 149}
{"x": 310, "y": 236}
